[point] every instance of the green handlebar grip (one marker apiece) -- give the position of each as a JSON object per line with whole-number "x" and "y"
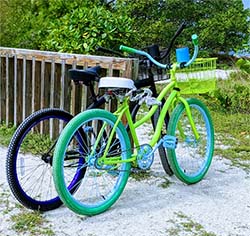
{"x": 128, "y": 49}
{"x": 195, "y": 39}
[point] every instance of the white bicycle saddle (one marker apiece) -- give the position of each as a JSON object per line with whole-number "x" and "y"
{"x": 116, "y": 82}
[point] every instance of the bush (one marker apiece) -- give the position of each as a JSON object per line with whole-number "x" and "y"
{"x": 234, "y": 93}
{"x": 83, "y": 29}
{"x": 244, "y": 65}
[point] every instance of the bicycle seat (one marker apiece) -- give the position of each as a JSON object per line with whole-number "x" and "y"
{"x": 116, "y": 82}
{"x": 141, "y": 83}
{"x": 85, "y": 76}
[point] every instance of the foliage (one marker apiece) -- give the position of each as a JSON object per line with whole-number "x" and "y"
{"x": 233, "y": 132}
{"x": 15, "y": 23}
{"x": 6, "y": 133}
{"x": 79, "y": 26}
{"x": 212, "y": 20}
{"x": 217, "y": 29}
{"x": 83, "y": 29}
{"x": 75, "y": 26}
{"x": 31, "y": 222}
{"x": 244, "y": 65}
{"x": 234, "y": 93}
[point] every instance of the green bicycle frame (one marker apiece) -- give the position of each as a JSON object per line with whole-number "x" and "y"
{"x": 123, "y": 109}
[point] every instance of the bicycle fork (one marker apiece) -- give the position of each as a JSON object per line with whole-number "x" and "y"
{"x": 190, "y": 118}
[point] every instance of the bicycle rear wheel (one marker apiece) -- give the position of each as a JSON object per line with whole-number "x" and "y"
{"x": 134, "y": 108}
{"x": 162, "y": 151}
{"x": 29, "y": 160}
{"x": 103, "y": 183}
{"x": 191, "y": 159}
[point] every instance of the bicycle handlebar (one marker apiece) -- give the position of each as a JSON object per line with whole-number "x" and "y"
{"x": 163, "y": 66}
{"x": 109, "y": 51}
{"x": 177, "y": 33}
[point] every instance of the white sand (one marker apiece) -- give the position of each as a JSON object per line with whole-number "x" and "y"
{"x": 220, "y": 203}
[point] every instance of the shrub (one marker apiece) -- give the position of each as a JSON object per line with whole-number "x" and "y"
{"x": 234, "y": 93}
{"x": 83, "y": 29}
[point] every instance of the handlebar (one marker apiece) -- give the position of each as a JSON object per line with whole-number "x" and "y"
{"x": 164, "y": 66}
{"x": 163, "y": 54}
{"x": 177, "y": 33}
{"x": 109, "y": 51}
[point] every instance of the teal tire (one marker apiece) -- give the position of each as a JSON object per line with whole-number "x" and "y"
{"x": 191, "y": 159}
{"x": 102, "y": 185}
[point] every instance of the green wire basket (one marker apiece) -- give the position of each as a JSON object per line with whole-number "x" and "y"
{"x": 198, "y": 78}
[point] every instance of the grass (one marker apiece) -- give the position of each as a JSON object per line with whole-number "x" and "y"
{"x": 232, "y": 134}
{"x": 140, "y": 175}
{"x": 6, "y": 133}
{"x": 184, "y": 225}
{"x": 31, "y": 222}
{"x": 4, "y": 201}
{"x": 25, "y": 221}
{"x": 166, "y": 183}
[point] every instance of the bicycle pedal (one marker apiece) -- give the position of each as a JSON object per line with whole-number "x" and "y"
{"x": 169, "y": 141}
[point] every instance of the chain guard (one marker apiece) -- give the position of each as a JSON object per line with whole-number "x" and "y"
{"x": 145, "y": 157}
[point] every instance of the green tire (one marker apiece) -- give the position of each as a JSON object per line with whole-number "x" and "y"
{"x": 79, "y": 206}
{"x": 191, "y": 159}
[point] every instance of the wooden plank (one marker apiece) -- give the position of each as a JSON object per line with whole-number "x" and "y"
{"x": 52, "y": 83}
{"x": 42, "y": 93}
{"x": 24, "y": 90}
{"x": 19, "y": 92}
{"x": 10, "y": 85}
{"x": 85, "y": 95}
{"x": 1, "y": 78}
{"x": 57, "y": 95}
{"x": 47, "y": 82}
{"x": 3, "y": 90}
{"x": 62, "y": 85}
{"x": 37, "y": 85}
{"x": 15, "y": 91}
{"x": 76, "y": 97}
{"x": 7, "y": 90}
{"x": 28, "y": 90}
{"x": 33, "y": 85}
{"x": 57, "y": 85}
{"x": 67, "y": 90}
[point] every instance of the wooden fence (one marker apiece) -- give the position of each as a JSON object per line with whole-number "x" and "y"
{"x": 31, "y": 80}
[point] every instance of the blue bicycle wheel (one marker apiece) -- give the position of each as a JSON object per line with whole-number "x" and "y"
{"x": 29, "y": 160}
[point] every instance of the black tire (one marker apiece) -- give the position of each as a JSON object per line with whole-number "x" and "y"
{"x": 30, "y": 188}
{"x": 162, "y": 151}
{"x": 134, "y": 108}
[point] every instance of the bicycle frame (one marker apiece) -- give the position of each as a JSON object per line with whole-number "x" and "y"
{"x": 123, "y": 109}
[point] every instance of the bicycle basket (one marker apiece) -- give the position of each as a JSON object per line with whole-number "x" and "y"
{"x": 198, "y": 78}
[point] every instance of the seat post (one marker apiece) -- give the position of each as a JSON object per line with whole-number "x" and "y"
{"x": 92, "y": 92}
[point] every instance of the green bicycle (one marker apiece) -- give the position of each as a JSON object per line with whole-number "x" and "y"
{"x": 100, "y": 146}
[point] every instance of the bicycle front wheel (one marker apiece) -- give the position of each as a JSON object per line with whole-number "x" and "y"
{"x": 191, "y": 159}
{"x": 103, "y": 183}
{"x": 29, "y": 159}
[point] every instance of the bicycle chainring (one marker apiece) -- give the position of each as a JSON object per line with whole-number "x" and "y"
{"x": 145, "y": 157}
